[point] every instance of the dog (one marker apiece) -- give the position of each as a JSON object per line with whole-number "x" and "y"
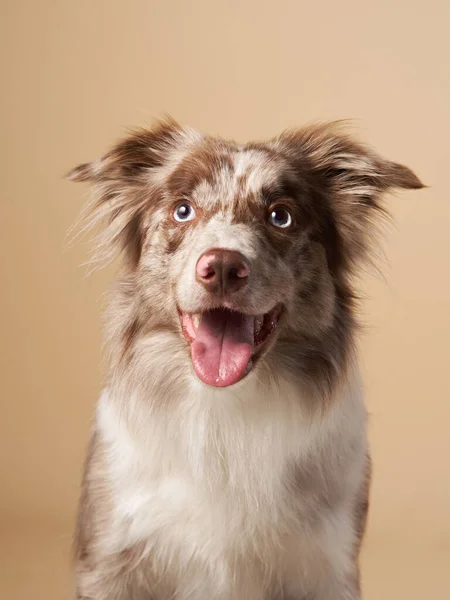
{"x": 229, "y": 456}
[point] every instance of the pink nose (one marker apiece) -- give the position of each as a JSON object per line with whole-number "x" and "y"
{"x": 222, "y": 271}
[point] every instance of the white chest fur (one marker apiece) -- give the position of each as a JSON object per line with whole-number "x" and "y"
{"x": 205, "y": 483}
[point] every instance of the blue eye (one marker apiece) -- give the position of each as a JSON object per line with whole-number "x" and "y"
{"x": 184, "y": 212}
{"x": 280, "y": 217}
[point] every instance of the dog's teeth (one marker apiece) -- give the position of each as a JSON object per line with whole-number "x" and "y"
{"x": 196, "y": 320}
{"x": 258, "y": 324}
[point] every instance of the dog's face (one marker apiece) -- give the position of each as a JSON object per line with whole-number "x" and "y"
{"x": 227, "y": 249}
{"x": 232, "y": 246}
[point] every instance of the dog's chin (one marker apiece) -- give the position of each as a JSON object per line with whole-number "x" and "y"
{"x": 225, "y": 343}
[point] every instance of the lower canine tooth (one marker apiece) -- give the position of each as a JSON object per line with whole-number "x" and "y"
{"x": 196, "y": 320}
{"x": 258, "y": 324}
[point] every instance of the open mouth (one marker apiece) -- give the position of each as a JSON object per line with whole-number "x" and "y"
{"x": 223, "y": 342}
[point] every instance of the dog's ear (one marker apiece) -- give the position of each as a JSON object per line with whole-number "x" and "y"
{"x": 125, "y": 181}
{"x": 133, "y": 157}
{"x": 352, "y": 179}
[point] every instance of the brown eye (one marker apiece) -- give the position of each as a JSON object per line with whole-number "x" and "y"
{"x": 280, "y": 217}
{"x": 184, "y": 212}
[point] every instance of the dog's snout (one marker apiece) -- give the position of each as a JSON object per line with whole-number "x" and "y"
{"x": 222, "y": 271}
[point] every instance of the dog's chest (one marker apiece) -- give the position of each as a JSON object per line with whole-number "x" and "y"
{"x": 211, "y": 482}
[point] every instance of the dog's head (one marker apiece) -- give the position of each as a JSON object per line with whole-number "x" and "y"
{"x": 235, "y": 246}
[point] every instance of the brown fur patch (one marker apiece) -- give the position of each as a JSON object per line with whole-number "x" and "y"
{"x": 202, "y": 165}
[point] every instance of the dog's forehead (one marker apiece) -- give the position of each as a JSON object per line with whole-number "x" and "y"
{"x": 219, "y": 175}
{"x": 244, "y": 177}
{"x": 256, "y": 169}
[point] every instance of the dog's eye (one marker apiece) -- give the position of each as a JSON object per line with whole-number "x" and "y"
{"x": 280, "y": 217}
{"x": 184, "y": 212}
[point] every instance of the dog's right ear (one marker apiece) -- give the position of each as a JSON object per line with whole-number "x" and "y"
{"x": 133, "y": 157}
{"x": 125, "y": 181}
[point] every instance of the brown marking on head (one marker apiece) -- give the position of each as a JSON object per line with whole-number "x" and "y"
{"x": 205, "y": 164}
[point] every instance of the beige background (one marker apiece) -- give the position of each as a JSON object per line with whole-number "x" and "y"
{"x": 75, "y": 74}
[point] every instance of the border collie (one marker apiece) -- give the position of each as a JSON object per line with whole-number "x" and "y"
{"x": 229, "y": 457}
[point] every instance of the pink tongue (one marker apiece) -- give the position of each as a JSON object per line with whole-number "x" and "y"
{"x": 223, "y": 347}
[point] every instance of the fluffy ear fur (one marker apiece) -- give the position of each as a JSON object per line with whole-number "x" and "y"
{"x": 125, "y": 180}
{"x": 352, "y": 179}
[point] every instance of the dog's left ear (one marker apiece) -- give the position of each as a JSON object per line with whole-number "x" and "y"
{"x": 352, "y": 177}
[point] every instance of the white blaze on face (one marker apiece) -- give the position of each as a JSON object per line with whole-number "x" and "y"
{"x": 257, "y": 169}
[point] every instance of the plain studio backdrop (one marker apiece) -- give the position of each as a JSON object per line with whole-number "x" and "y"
{"x": 75, "y": 75}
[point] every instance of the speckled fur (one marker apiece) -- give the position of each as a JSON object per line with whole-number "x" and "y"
{"x": 258, "y": 491}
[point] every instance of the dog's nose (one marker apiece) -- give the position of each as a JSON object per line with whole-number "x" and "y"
{"x": 222, "y": 271}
